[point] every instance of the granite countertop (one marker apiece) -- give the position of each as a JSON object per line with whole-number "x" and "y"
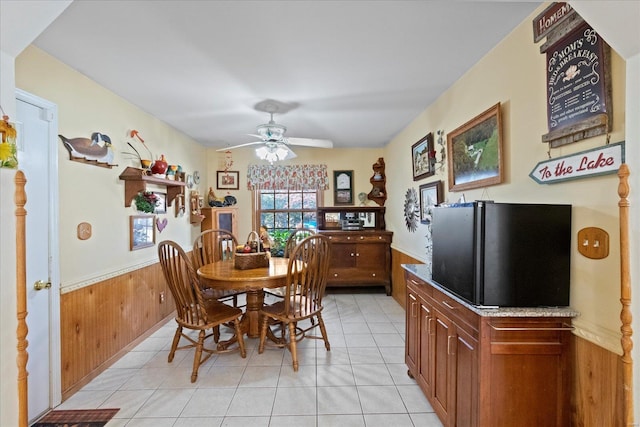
{"x": 423, "y": 272}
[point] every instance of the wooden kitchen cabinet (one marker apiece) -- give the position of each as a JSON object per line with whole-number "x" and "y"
{"x": 220, "y": 219}
{"x": 499, "y": 367}
{"x": 360, "y": 258}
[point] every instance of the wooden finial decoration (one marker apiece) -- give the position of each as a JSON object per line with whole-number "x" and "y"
{"x": 625, "y": 297}
{"x": 20, "y": 199}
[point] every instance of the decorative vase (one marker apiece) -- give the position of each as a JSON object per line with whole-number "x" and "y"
{"x": 160, "y": 166}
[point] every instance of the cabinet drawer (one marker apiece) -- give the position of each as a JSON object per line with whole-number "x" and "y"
{"x": 418, "y": 286}
{"x": 528, "y": 336}
{"x": 457, "y": 311}
{"x": 355, "y": 237}
{"x": 355, "y": 275}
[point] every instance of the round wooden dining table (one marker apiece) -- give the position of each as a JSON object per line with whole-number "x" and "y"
{"x": 224, "y": 275}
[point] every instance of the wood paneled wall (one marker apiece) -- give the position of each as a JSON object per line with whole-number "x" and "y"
{"x": 595, "y": 377}
{"x": 399, "y": 287}
{"x": 99, "y": 323}
{"x": 596, "y": 386}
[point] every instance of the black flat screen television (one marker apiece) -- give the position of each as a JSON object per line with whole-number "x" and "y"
{"x": 503, "y": 254}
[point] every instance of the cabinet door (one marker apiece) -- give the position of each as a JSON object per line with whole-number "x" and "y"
{"x": 466, "y": 379}
{"x": 220, "y": 219}
{"x": 425, "y": 354}
{"x": 225, "y": 221}
{"x": 372, "y": 256}
{"x": 343, "y": 255}
{"x": 412, "y": 337}
{"x": 443, "y": 363}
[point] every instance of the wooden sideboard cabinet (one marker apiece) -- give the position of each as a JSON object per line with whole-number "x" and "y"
{"x": 502, "y": 368}
{"x": 220, "y": 219}
{"x": 360, "y": 258}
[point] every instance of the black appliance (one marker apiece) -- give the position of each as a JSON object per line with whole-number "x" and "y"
{"x": 503, "y": 254}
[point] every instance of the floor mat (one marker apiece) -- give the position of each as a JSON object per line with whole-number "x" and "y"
{"x": 77, "y": 418}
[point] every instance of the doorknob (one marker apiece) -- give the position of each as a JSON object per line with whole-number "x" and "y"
{"x": 41, "y": 284}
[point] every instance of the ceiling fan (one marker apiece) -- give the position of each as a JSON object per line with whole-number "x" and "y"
{"x": 275, "y": 144}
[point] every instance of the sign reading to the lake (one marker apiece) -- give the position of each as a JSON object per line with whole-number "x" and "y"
{"x": 599, "y": 161}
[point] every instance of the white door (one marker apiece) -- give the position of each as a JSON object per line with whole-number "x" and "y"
{"x": 37, "y": 157}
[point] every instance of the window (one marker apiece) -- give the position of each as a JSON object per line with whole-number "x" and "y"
{"x": 285, "y": 210}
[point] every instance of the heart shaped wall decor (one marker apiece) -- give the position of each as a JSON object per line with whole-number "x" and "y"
{"x": 161, "y": 224}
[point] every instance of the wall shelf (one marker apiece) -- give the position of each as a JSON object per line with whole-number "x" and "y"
{"x": 378, "y": 181}
{"x": 136, "y": 180}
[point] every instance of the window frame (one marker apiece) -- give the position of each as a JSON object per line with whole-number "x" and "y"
{"x": 257, "y": 211}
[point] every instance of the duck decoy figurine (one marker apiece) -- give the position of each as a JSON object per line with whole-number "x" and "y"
{"x": 97, "y": 148}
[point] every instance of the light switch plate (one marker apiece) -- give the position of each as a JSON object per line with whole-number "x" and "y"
{"x": 593, "y": 242}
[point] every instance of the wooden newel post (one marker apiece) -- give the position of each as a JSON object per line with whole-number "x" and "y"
{"x": 20, "y": 199}
{"x": 625, "y": 297}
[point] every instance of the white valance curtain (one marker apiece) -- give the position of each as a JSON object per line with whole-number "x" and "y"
{"x": 292, "y": 177}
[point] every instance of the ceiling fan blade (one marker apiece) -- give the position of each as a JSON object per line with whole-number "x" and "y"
{"x": 309, "y": 142}
{"x": 240, "y": 145}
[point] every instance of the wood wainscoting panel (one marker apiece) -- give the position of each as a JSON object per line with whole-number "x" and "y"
{"x": 99, "y": 321}
{"x": 597, "y": 386}
{"x": 399, "y": 288}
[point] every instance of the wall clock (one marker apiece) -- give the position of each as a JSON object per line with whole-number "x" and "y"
{"x": 411, "y": 209}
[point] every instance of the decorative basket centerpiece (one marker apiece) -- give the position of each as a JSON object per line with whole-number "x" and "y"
{"x": 251, "y": 255}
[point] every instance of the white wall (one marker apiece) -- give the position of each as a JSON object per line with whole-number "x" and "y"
{"x": 513, "y": 73}
{"x": 524, "y": 126}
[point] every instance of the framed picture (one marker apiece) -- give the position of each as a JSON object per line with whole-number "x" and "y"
{"x": 423, "y": 158}
{"x": 161, "y": 204}
{"x": 343, "y": 187}
{"x": 142, "y": 231}
{"x": 430, "y": 196}
{"x": 228, "y": 180}
{"x": 368, "y": 219}
{"x": 474, "y": 152}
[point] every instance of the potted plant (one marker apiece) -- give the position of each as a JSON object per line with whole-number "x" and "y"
{"x": 146, "y": 201}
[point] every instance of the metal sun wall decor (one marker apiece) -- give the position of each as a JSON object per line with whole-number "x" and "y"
{"x": 411, "y": 210}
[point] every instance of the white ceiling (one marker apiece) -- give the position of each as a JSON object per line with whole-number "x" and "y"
{"x": 356, "y": 72}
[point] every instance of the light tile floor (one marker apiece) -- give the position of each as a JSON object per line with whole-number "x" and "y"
{"x": 362, "y": 381}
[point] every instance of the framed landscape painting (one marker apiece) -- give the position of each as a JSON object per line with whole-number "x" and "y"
{"x": 142, "y": 231}
{"x": 474, "y": 152}
{"x": 431, "y": 195}
{"x": 422, "y": 153}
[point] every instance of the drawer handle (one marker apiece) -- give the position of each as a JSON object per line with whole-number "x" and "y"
{"x": 449, "y": 306}
{"x": 361, "y": 237}
{"x": 429, "y": 326}
{"x": 414, "y": 282}
{"x": 565, "y": 327}
{"x": 335, "y": 274}
{"x": 449, "y": 345}
{"x": 352, "y": 254}
{"x": 357, "y": 253}
{"x": 373, "y": 275}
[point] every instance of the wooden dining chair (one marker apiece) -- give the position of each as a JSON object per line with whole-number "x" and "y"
{"x": 306, "y": 281}
{"x": 211, "y": 246}
{"x": 193, "y": 312}
{"x": 295, "y": 237}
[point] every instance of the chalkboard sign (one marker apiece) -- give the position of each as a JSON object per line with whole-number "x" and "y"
{"x": 577, "y": 90}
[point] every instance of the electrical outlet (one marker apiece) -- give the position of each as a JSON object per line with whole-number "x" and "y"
{"x": 161, "y": 297}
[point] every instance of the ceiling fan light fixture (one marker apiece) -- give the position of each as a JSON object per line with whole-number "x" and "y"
{"x": 272, "y": 153}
